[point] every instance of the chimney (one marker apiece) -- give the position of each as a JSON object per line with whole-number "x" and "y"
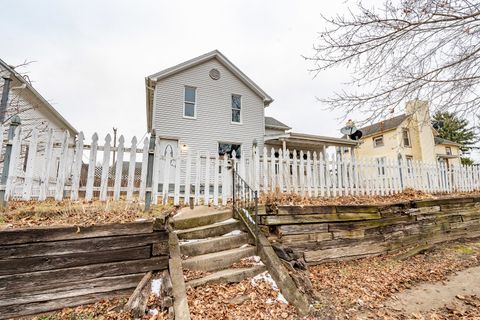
{"x": 421, "y": 124}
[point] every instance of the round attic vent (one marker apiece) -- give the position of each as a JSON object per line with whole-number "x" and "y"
{"x": 214, "y": 74}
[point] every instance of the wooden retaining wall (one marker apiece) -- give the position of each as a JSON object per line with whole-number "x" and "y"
{"x": 323, "y": 233}
{"x": 45, "y": 269}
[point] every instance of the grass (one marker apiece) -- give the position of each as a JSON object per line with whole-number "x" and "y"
{"x": 53, "y": 213}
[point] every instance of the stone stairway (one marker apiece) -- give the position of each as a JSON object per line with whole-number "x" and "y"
{"x": 211, "y": 240}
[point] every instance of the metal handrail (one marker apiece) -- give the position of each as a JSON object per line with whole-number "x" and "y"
{"x": 245, "y": 201}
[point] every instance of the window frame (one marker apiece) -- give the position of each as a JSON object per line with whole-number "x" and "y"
{"x": 407, "y": 132}
{"x": 231, "y": 143}
{"x": 375, "y": 145}
{"x": 232, "y": 108}
{"x": 189, "y": 102}
{"x": 448, "y": 151}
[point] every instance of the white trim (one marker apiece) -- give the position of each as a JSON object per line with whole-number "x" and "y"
{"x": 189, "y": 102}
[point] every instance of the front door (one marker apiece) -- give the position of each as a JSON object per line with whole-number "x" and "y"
{"x": 169, "y": 154}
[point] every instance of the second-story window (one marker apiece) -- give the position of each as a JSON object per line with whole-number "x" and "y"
{"x": 189, "y": 103}
{"x": 236, "y": 108}
{"x": 448, "y": 151}
{"x": 406, "y": 138}
{"x": 378, "y": 141}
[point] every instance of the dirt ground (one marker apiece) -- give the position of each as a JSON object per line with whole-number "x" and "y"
{"x": 441, "y": 283}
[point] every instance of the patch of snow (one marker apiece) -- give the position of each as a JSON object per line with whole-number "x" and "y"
{"x": 281, "y": 298}
{"x": 141, "y": 219}
{"x": 153, "y": 312}
{"x": 249, "y": 217}
{"x": 245, "y": 245}
{"x": 265, "y": 276}
{"x": 233, "y": 233}
{"x": 189, "y": 240}
{"x": 257, "y": 259}
{"x": 156, "y": 286}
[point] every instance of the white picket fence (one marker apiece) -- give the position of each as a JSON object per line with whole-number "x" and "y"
{"x": 66, "y": 168}
{"x": 314, "y": 175}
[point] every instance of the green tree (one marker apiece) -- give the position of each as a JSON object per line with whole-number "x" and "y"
{"x": 456, "y": 129}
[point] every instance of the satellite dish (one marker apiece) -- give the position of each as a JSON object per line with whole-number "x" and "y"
{"x": 356, "y": 135}
{"x": 348, "y": 130}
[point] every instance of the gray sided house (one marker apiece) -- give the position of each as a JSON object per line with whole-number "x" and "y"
{"x": 208, "y": 105}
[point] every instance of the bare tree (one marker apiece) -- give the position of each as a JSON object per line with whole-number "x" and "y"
{"x": 407, "y": 49}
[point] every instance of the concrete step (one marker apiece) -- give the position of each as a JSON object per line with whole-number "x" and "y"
{"x": 218, "y": 260}
{"x": 209, "y": 231}
{"x": 221, "y": 243}
{"x": 227, "y": 276}
{"x": 199, "y": 216}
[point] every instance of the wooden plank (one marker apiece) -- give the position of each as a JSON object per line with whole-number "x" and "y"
{"x": 311, "y": 218}
{"x": 15, "y": 157}
{"x": 215, "y": 179}
{"x": 336, "y": 253}
{"x": 105, "y": 169}
{"x": 118, "y": 169}
{"x": 176, "y": 188}
{"x": 32, "y": 153}
{"x": 71, "y": 289}
{"x": 77, "y": 167}
{"x": 289, "y": 210}
{"x": 44, "y": 306}
{"x": 137, "y": 301}
{"x": 188, "y": 176}
{"x": 131, "y": 169}
{"x": 301, "y": 228}
{"x": 45, "y": 175}
{"x": 42, "y": 234}
{"x": 306, "y": 237}
{"x": 30, "y": 280}
{"x": 92, "y": 161}
{"x": 143, "y": 173}
{"x": 53, "y": 248}
{"x": 24, "y": 265}
{"x": 62, "y": 168}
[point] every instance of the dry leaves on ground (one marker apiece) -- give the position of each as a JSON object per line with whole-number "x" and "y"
{"x": 247, "y": 262}
{"x": 108, "y": 309}
{"x": 283, "y": 198}
{"x": 24, "y": 214}
{"x": 238, "y": 301}
{"x": 349, "y": 288}
{"x": 189, "y": 275}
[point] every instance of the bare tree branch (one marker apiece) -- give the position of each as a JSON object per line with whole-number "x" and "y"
{"x": 426, "y": 49}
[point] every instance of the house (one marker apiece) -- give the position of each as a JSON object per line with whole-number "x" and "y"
{"x": 35, "y": 112}
{"x": 208, "y": 105}
{"x": 406, "y": 137}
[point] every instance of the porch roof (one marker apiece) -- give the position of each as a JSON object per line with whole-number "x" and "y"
{"x": 310, "y": 139}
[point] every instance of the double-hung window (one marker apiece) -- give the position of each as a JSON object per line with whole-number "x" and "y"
{"x": 236, "y": 108}
{"x": 406, "y": 138}
{"x": 190, "y": 102}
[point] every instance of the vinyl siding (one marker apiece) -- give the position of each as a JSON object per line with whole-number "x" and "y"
{"x": 213, "y": 110}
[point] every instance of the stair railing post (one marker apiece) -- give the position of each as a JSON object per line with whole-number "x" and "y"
{"x": 151, "y": 158}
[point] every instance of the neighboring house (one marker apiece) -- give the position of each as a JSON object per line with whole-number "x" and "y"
{"x": 408, "y": 137}
{"x": 35, "y": 112}
{"x": 208, "y": 105}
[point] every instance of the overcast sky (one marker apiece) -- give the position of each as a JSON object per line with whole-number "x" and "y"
{"x": 92, "y": 56}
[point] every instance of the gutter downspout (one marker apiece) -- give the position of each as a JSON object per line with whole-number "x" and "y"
{"x": 3, "y": 103}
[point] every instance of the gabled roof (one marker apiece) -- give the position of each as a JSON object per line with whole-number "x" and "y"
{"x": 385, "y": 125}
{"x": 215, "y": 54}
{"x": 47, "y": 105}
{"x": 439, "y": 140}
{"x": 272, "y": 123}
